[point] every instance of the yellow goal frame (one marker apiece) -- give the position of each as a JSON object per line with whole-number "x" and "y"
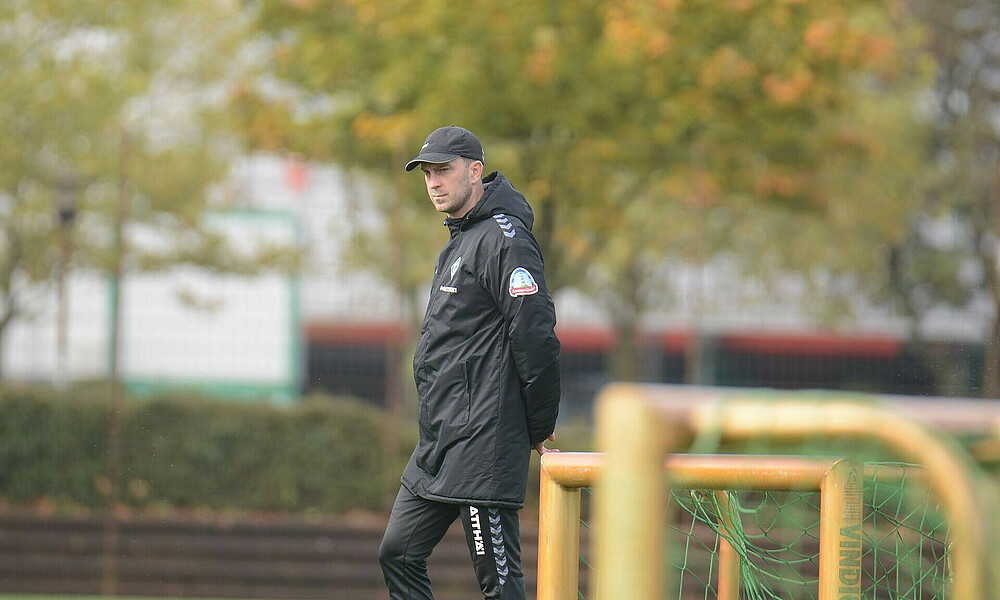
{"x": 638, "y": 424}
{"x": 564, "y": 474}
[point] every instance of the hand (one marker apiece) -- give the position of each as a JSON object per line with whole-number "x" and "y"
{"x": 541, "y": 449}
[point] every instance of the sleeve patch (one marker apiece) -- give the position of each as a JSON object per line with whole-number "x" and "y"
{"x": 522, "y": 283}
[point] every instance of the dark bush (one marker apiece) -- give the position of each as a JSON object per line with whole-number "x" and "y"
{"x": 327, "y": 455}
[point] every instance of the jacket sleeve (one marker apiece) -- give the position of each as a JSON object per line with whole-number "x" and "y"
{"x": 519, "y": 288}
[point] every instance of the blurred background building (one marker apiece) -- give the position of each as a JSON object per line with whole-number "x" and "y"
{"x": 334, "y": 328}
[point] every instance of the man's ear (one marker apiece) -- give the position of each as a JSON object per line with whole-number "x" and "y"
{"x": 477, "y": 170}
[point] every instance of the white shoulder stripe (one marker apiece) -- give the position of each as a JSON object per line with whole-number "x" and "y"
{"x": 506, "y": 227}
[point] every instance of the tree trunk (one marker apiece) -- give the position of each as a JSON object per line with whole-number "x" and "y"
{"x": 991, "y": 361}
{"x": 2, "y": 328}
{"x": 699, "y": 358}
{"x": 10, "y": 265}
{"x": 991, "y": 355}
{"x": 556, "y": 274}
{"x": 4, "y": 320}
{"x": 399, "y": 389}
{"x": 626, "y": 353}
{"x": 401, "y": 394}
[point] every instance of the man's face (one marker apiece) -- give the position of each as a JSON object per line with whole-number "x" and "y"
{"x": 449, "y": 186}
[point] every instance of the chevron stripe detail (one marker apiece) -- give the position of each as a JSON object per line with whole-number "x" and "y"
{"x": 499, "y": 549}
{"x": 505, "y": 225}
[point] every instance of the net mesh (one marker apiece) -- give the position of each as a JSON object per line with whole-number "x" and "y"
{"x": 776, "y": 536}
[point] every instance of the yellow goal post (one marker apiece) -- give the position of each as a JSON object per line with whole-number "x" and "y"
{"x": 564, "y": 474}
{"x": 639, "y": 424}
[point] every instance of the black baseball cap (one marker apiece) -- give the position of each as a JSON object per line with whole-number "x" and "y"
{"x": 445, "y": 144}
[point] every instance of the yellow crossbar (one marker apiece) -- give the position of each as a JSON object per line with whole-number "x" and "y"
{"x": 563, "y": 474}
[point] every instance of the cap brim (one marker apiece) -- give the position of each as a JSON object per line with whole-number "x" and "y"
{"x": 430, "y": 157}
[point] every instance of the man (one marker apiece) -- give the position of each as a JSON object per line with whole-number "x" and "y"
{"x": 487, "y": 373}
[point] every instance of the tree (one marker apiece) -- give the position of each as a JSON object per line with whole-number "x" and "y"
{"x": 640, "y": 131}
{"x": 112, "y": 106}
{"x": 744, "y": 123}
{"x": 50, "y": 66}
{"x": 950, "y": 253}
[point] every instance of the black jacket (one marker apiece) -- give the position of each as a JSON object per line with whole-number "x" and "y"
{"x": 487, "y": 363}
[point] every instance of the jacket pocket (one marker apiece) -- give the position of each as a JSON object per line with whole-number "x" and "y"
{"x": 421, "y": 378}
{"x": 447, "y": 397}
{"x": 465, "y": 406}
{"x": 445, "y": 402}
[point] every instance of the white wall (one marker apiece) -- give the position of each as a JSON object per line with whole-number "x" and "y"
{"x": 185, "y": 326}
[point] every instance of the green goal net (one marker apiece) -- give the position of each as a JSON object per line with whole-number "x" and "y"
{"x": 775, "y": 534}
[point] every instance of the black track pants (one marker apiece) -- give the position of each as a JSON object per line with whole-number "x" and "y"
{"x": 417, "y": 525}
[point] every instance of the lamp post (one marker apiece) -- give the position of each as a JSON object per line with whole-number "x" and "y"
{"x": 67, "y": 189}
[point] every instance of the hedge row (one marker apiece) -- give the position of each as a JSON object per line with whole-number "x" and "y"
{"x": 321, "y": 455}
